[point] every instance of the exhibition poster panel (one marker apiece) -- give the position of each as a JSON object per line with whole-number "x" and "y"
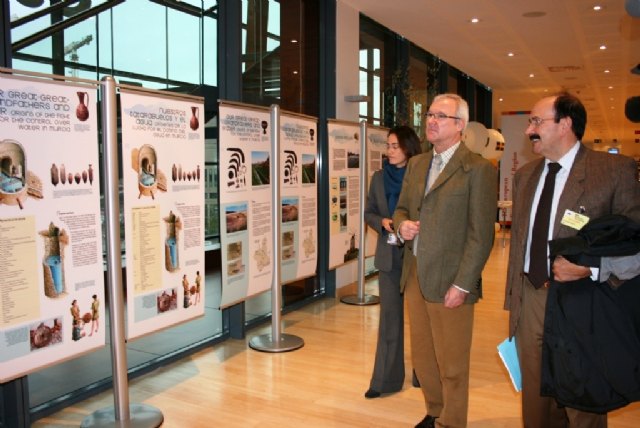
{"x": 245, "y": 202}
{"x": 517, "y": 152}
{"x": 344, "y": 192}
{"x": 376, "y": 153}
{"x": 51, "y": 271}
{"x": 299, "y": 195}
{"x": 163, "y": 188}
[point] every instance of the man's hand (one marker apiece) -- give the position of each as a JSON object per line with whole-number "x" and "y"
{"x": 409, "y": 229}
{"x": 565, "y": 271}
{"x": 454, "y": 298}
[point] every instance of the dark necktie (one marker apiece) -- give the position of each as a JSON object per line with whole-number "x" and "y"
{"x": 538, "y": 259}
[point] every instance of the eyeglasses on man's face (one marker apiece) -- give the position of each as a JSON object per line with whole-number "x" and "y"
{"x": 537, "y": 121}
{"x": 439, "y": 116}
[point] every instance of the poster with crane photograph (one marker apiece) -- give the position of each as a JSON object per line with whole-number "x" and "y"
{"x": 163, "y": 189}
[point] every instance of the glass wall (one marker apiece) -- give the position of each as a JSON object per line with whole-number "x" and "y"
{"x": 165, "y": 45}
{"x": 376, "y": 80}
{"x": 418, "y": 88}
{"x": 402, "y": 79}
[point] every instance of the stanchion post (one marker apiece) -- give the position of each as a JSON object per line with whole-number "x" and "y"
{"x": 121, "y": 415}
{"x": 361, "y": 298}
{"x": 276, "y": 341}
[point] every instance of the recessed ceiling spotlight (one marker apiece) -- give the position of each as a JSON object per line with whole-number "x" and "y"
{"x": 295, "y": 71}
{"x": 511, "y": 54}
{"x": 534, "y": 14}
{"x": 294, "y": 41}
{"x": 597, "y": 7}
{"x": 603, "y": 47}
{"x": 500, "y": 99}
{"x": 610, "y": 87}
{"x": 474, "y": 20}
{"x": 531, "y": 75}
{"x": 606, "y": 71}
{"x": 546, "y": 90}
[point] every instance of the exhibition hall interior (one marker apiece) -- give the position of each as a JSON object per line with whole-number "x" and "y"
{"x": 143, "y": 267}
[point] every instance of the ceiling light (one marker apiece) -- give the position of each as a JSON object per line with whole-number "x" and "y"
{"x": 606, "y": 71}
{"x": 295, "y": 71}
{"x": 294, "y": 41}
{"x": 534, "y": 14}
{"x": 511, "y": 54}
{"x": 531, "y": 75}
{"x": 474, "y": 20}
{"x": 500, "y": 99}
{"x": 610, "y": 87}
{"x": 597, "y": 7}
{"x": 603, "y": 47}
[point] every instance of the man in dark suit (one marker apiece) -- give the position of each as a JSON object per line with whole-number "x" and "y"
{"x": 446, "y": 215}
{"x": 588, "y": 185}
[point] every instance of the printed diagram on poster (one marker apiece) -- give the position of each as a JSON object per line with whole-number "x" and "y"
{"x": 245, "y": 201}
{"x": 163, "y": 149}
{"x": 51, "y": 266}
{"x": 344, "y": 192}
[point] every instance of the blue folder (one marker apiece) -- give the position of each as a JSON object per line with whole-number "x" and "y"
{"x": 509, "y": 356}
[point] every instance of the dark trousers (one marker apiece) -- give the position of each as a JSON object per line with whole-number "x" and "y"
{"x": 539, "y": 411}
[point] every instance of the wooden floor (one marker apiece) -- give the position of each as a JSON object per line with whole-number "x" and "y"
{"x": 322, "y": 384}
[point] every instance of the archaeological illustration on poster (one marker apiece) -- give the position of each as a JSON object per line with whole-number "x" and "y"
{"x": 51, "y": 267}
{"x": 163, "y": 187}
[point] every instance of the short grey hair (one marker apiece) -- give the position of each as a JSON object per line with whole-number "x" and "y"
{"x": 462, "y": 107}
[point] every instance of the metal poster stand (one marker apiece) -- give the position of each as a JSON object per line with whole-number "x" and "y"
{"x": 276, "y": 341}
{"x": 122, "y": 415}
{"x": 362, "y": 299}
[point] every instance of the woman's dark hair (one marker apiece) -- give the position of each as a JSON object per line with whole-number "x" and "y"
{"x": 567, "y": 105}
{"x": 407, "y": 140}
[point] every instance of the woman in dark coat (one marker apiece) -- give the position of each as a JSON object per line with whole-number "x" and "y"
{"x": 388, "y": 371}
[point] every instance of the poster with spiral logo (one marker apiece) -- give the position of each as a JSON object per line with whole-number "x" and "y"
{"x": 299, "y": 195}
{"x": 376, "y": 154}
{"x": 245, "y": 202}
{"x": 51, "y": 271}
{"x": 344, "y": 192}
{"x": 163, "y": 189}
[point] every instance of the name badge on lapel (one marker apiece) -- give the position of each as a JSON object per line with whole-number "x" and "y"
{"x": 574, "y": 220}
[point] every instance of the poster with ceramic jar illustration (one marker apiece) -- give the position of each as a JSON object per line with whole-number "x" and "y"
{"x": 163, "y": 190}
{"x": 299, "y": 196}
{"x": 51, "y": 266}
